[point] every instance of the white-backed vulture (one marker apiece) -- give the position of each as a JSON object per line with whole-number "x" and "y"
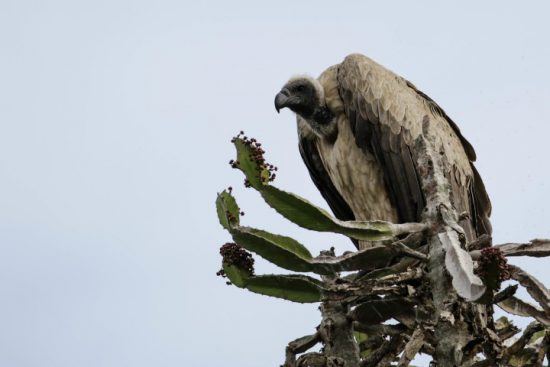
{"x": 357, "y": 124}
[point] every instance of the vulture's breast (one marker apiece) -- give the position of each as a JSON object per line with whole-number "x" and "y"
{"x": 356, "y": 175}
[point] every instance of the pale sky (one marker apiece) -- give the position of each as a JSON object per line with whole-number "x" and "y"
{"x": 115, "y": 121}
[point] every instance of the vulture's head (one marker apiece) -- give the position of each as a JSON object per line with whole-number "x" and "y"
{"x": 303, "y": 95}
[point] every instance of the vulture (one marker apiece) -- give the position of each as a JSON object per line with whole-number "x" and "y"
{"x": 357, "y": 126}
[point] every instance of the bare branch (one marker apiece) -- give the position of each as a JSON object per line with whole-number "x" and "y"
{"x": 312, "y": 359}
{"x": 535, "y": 248}
{"x": 536, "y": 289}
{"x": 388, "y": 349}
{"x": 380, "y": 329}
{"x": 372, "y": 257}
{"x": 390, "y": 285}
{"x": 366, "y": 259}
{"x": 505, "y": 329}
{"x": 531, "y": 329}
{"x": 337, "y": 334}
{"x": 411, "y": 274}
{"x": 379, "y": 310}
{"x": 411, "y": 348}
{"x": 401, "y": 248}
{"x": 299, "y": 345}
{"x": 401, "y": 266}
{"x": 518, "y": 307}
{"x": 505, "y": 293}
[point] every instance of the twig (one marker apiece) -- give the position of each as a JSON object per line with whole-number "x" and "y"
{"x": 505, "y": 329}
{"x": 401, "y": 266}
{"x": 531, "y": 329}
{"x": 389, "y": 348}
{"x": 411, "y": 348}
{"x": 505, "y": 293}
{"x": 401, "y": 248}
{"x": 299, "y": 345}
{"x": 411, "y": 274}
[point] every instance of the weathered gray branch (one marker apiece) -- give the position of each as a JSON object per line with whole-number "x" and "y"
{"x": 336, "y": 332}
{"x": 505, "y": 293}
{"x": 300, "y": 345}
{"x": 451, "y": 334}
{"x": 377, "y": 311}
{"x": 515, "y": 306}
{"x": 536, "y": 289}
{"x": 522, "y": 341}
{"x": 380, "y": 329}
{"x": 535, "y": 248}
{"x": 387, "y": 351}
{"x": 401, "y": 248}
{"x": 505, "y": 329}
{"x": 411, "y": 348}
{"x": 313, "y": 359}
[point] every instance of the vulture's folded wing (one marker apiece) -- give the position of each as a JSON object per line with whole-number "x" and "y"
{"x": 386, "y": 114}
{"x": 322, "y": 181}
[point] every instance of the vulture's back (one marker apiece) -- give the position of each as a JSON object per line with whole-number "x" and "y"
{"x": 371, "y": 164}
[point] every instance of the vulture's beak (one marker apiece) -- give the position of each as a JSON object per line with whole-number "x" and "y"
{"x": 281, "y": 99}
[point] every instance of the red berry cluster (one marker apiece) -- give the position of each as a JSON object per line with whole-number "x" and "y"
{"x": 257, "y": 153}
{"x": 234, "y": 254}
{"x": 493, "y": 258}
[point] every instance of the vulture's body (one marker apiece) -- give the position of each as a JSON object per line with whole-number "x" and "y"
{"x": 358, "y": 143}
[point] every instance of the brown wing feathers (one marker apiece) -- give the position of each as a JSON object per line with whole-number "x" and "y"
{"x": 391, "y": 152}
{"x": 476, "y": 203}
{"x": 368, "y": 97}
{"x": 321, "y": 179}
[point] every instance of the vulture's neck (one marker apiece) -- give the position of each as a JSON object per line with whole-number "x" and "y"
{"x": 323, "y": 116}
{"x": 323, "y": 123}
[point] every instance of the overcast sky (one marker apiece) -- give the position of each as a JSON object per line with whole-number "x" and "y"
{"x": 115, "y": 121}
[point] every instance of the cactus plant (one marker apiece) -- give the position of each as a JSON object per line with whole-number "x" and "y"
{"x": 400, "y": 278}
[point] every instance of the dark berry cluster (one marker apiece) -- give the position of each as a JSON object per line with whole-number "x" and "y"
{"x": 257, "y": 156}
{"x": 221, "y": 273}
{"x": 492, "y": 259}
{"x": 229, "y": 215}
{"x": 234, "y": 254}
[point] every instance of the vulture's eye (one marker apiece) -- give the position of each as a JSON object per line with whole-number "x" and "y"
{"x": 300, "y": 88}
